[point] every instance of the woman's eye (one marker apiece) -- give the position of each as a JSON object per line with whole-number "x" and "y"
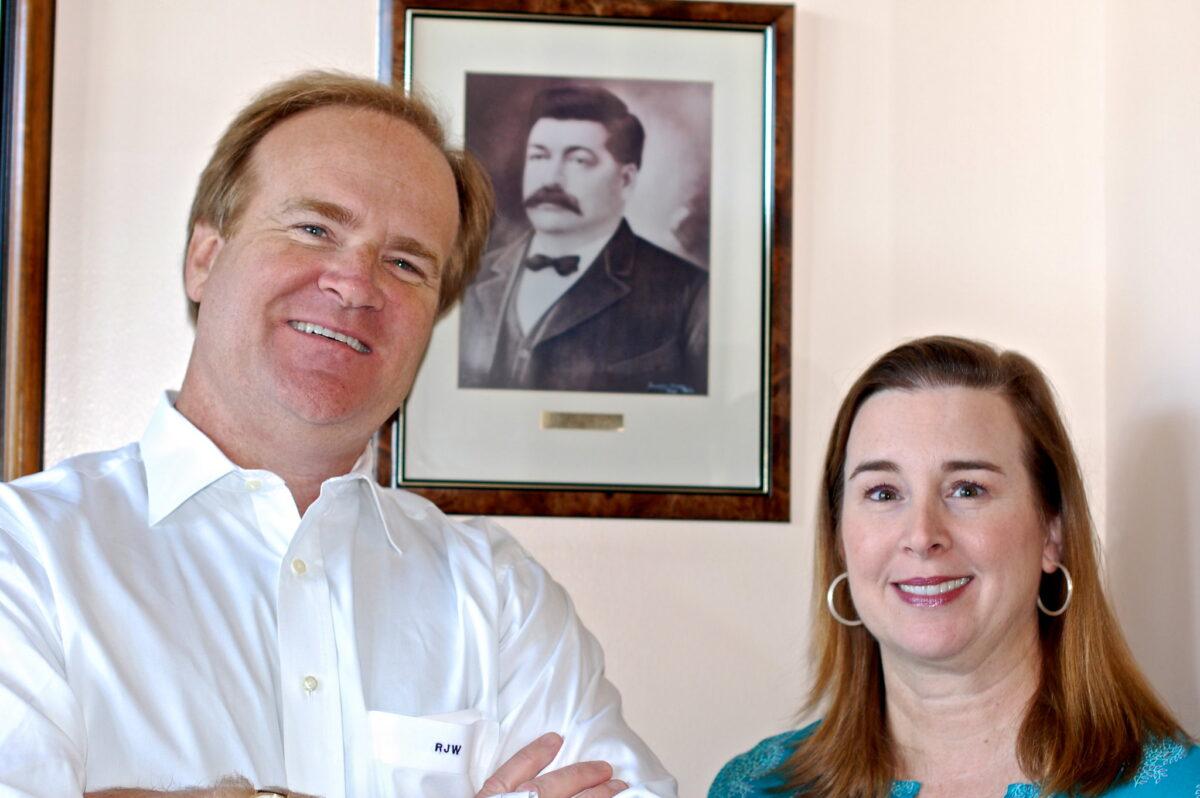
{"x": 967, "y": 490}
{"x": 882, "y": 493}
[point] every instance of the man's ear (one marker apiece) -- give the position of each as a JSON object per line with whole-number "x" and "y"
{"x": 202, "y": 251}
{"x": 1052, "y": 551}
{"x": 629, "y": 174}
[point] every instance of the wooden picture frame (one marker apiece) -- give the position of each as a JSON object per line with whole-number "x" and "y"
{"x": 426, "y": 428}
{"x": 28, "y": 53}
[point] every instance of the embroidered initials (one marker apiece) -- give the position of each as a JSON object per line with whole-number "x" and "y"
{"x": 447, "y": 748}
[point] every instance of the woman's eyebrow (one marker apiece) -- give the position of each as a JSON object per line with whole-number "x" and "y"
{"x": 947, "y": 466}
{"x": 874, "y": 465}
{"x": 971, "y": 465}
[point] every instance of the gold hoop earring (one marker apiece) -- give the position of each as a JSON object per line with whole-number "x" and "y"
{"x": 1070, "y": 592}
{"x": 829, "y": 601}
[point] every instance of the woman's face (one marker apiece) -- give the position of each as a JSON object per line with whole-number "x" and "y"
{"x": 940, "y": 526}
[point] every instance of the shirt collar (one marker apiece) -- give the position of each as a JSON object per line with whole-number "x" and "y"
{"x": 587, "y": 253}
{"x": 180, "y": 460}
{"x": 364, "y": 472}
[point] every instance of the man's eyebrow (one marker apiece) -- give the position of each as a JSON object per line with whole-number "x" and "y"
{"x": 344, "y": 216}
{"x": 330, "y": 210}
{"x": 414, "y": 247}
{"x": 874, "y": 465}
{"x": 580, "y": 148}
{"x": 971, "y": 465}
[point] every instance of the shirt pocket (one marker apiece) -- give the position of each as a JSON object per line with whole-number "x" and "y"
{"x": 459, "y": 744}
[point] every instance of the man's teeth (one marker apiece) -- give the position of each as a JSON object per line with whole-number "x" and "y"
{"x": 935, "y": 590}
{"x": 317, "y": 329}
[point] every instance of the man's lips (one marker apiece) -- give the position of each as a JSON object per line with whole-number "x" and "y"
{"x": 312, "y": 328}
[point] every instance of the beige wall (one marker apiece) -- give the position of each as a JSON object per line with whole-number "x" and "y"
{"x": 1017, "y": 171}
{"x": 1153, "y": 339}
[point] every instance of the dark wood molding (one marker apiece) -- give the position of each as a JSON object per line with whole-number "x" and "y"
{"x": 770, "y": 505}
{"x": 26, "y": 245}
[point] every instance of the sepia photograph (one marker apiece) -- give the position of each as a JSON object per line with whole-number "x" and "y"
{"x": 617, "y": 337}
{"x": 596, "y": 273}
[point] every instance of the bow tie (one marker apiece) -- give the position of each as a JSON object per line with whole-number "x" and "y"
{"x": 564, "y": 265}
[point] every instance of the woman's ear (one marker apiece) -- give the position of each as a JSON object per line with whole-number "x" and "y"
{"x": 1052, "y": 551}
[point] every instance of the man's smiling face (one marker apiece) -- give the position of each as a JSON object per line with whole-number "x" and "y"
{"x": 320, "y": 303}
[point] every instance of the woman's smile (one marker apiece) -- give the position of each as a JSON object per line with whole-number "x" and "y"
{"x": 935, "y": 591}
{"x": 945, "y": 543}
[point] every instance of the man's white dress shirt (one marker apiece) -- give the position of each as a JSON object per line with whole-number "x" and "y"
{"x": 167, "y": 618}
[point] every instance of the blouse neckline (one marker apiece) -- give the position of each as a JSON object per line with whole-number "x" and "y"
{"x": 911, "y": 789}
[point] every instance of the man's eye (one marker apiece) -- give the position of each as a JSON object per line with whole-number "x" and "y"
{"x": 882, "y": 493}
{"x": 536, "y": 156}
{"x": 405, "y": 265}
{"x": 582, "y": 159}
{"x": 315, "y": 230}
{"x": 967, "y": 490}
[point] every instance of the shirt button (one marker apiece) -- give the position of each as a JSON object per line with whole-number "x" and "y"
{"x": 253, "y": 484}
{"x": 299, "y": 566}
{"x": 309, "y": 684}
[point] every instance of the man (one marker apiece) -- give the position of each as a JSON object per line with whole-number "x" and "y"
{"x": 582, "y": 303}
{"x": 232, "y": 601}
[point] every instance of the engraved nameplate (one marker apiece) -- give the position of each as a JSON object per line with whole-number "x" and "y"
{"x": 606, "y": 422}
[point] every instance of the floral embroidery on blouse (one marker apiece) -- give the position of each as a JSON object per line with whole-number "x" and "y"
{"x": 1155, "y": 761}
{"x": 754, "y": 774}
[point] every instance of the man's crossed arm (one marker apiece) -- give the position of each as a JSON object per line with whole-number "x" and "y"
{"x": 519, "y": 774}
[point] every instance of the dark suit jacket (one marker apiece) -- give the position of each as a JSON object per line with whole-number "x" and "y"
{"x": 636, "y": 321}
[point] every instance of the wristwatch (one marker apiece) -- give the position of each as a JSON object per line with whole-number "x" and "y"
{"x": 272, "y": 792}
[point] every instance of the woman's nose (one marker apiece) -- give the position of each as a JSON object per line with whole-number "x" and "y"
{"x": 925, "y": 533}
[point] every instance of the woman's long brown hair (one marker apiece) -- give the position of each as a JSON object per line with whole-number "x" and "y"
{"x": 1093, "y": 711}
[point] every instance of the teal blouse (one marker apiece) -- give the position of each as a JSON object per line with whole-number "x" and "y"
{"x": 1168, "y": 769}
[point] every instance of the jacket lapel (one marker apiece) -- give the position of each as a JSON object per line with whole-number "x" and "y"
{"x": 605, "y": 282}
{"x": 493, "y": 288}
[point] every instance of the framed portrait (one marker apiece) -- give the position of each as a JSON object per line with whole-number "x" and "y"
{"x": 623, "y": 348}
{"x": 28, "y": 48}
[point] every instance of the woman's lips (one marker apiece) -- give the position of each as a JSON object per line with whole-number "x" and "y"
{"x": 933, "y": 591}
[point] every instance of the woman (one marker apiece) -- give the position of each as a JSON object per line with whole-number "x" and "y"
{"x": 968, "y": 648}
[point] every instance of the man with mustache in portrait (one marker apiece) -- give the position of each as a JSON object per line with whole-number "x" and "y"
{"x": 580, "y": 302}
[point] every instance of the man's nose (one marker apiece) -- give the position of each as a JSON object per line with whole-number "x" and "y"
{"x": 350, "y": 277}
{"x": 925, "y": 532}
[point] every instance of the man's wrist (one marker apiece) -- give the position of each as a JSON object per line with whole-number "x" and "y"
{"x": 231, "y": 787}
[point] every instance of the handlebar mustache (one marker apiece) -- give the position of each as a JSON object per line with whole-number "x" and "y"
{"x": 553, "y": 195}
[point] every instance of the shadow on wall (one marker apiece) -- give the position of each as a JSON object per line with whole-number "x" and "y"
{"x": 1154, "y": 554}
